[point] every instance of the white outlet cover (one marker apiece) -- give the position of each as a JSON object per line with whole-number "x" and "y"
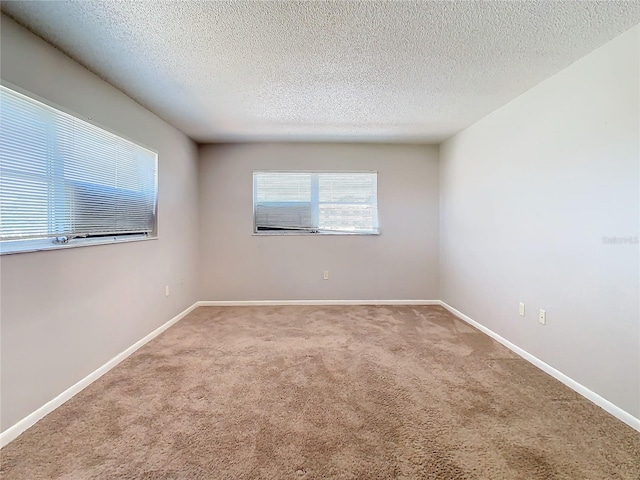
{"x": 542, "y": 318}
{"x": 521, "y": 309}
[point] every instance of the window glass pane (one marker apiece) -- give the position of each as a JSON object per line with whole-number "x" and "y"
{"x": 347, "y": 188}
{"x": 62, "y": 176}
{"x": 87, "y": 157}
{"x": 287, "y": 215}
{"x": 346, "y": 218}
{"x": 19, "y": 218}
{"x": 318, "y": 202}
{"x": 283, "y": 187}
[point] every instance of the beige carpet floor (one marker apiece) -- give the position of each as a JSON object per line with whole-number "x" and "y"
{"x": 325, "y": 392}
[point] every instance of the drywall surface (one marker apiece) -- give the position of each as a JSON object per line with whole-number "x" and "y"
{"x": 400, "y": 263}
{"x": 540, "y": 204}
{"x": 65, "y": 313}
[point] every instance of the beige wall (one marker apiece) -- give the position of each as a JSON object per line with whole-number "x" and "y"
{"x": 400, "y": 263}
{"x": 515, "y": 211}
{"x": 528, "y": 194}
{"x": 64, "y": 313}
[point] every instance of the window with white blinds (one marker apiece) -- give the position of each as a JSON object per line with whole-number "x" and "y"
{"x": 315, "y": 202}
{"x": 63, "y": 180}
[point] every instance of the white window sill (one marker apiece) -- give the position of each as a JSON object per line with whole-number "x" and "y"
{"x": 27, "y": 246}
{"x": 312, "y": 234}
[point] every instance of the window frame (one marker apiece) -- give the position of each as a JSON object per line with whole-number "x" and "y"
{"x": 11, "y": 247}
{"x": 267, "y": 233}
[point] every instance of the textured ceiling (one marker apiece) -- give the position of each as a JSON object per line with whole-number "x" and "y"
{"x": 367, "y": 71}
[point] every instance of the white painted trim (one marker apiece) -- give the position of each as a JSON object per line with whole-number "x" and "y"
{"x": 603, "y": 403}
{"x": 12, "y": 432}
{"x": 246, "y": 303}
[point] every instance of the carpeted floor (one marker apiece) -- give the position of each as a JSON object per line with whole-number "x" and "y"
{"x": 325, "y": 392}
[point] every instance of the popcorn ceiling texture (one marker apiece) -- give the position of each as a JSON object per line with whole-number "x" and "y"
{"x": 385, "y": 71}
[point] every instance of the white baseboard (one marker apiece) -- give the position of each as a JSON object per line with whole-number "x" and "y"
{"x": 12, "y": 432}
{"x": 246, "y": 303}
{"x": 603, "y": 403}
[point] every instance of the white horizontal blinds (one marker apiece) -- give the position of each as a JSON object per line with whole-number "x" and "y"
{"x": 61, "y": 176}
{"x": 282, "y": 201}
{"x": 316, "y": 201}
{"x": 24, "y": 169}
{"x": 110, "y": 183}
{"x": 348, "y": 202}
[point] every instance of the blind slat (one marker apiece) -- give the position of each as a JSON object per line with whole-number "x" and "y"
{"x": 341, "y": 202}
{"x": 62, "y": 176}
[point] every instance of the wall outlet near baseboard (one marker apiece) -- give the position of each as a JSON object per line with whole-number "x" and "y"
{"x": 166, "y": 290}
{"x": 325, "y": 275}
{"x": 542, "y": 317}
{"x": 521, "y": 309}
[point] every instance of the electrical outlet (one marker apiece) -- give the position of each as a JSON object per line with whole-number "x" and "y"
{"x": 542, "y": 318}
{"x": 325, "y": 275}
{"x": 166, "y": 290}
{"x": 521, "y": 309}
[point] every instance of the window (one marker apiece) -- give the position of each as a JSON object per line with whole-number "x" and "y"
{"x": 64, "y": 181}
{"x": 315, "y": 202}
